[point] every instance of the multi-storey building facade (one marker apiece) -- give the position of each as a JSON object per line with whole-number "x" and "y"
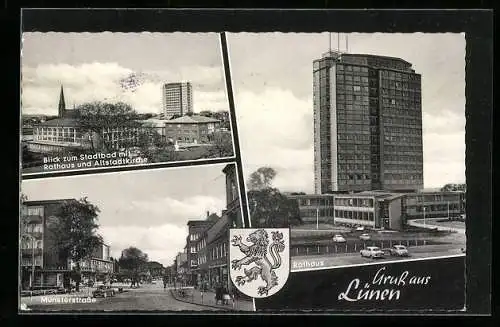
{"x": 233, "y": 204}
{"x": 98, "y": 265}
{"x": 367, "y": 124}
{"x": 196, "y": 229}
{"x": 315, "y": 208}
{"x": 379, "y": 209}
{"x": 209, "y": 240}
{"x": 177, "y": 99}
{"x": 372, "y": 209}
{"x": 41, "y": 261}
{"x": 66, "y": 133}
{"x": 191, "y": 129}
{"x": 434, "y": 205}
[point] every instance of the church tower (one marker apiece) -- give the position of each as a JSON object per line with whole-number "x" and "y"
{"x": 62, "y": 104}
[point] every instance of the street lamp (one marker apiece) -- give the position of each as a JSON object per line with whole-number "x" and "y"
{"x": 317, "y": 218}
{"x": 424, "y": 218}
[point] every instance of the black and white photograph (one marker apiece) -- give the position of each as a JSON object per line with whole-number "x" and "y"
{"x": 100, "y": 100}
{"x": 356, "y": 142}
{"x": 151, "y": 240}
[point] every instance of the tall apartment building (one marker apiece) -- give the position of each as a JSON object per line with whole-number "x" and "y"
{"x": 42, "y": 263}
{"x": 367, "y": 124}
{"x": 177, "y": 99}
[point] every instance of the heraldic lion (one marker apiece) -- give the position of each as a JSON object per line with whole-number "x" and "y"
{"x": 257, "y": 253}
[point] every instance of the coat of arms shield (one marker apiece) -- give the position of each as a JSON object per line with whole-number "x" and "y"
{"x": 259, "y": 260}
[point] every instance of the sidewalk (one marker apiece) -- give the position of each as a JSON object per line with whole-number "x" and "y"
{"x": 208, "y": 299}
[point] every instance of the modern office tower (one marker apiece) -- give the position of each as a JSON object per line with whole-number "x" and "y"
{"x": 367, "y": 124}
{"x": 177, "y": 99}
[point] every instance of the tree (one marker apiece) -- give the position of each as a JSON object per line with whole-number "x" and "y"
{"x": 75, "y": 233}
{"x": 206, "y": 113}
{"x": 133, "y": 260}
{"x": 454, "y": 188}
{"x": 268, "y": 207}
{"x": 261, "y": 178}
{"x": 96, "y": 116}
{"x": 222, "y": 145}
{"x": 174, "y": 116}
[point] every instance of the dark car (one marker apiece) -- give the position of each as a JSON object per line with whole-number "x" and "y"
{"x": 103, "y": 291}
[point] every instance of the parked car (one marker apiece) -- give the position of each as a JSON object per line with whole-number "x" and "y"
{"x": 364, "y": 237}
{"x": 338, "y": 239}
{"x": 399, "y": 251}
{"x": 372, "y": 252}
{"x": 103, "y": 291}
{"x": 360, "y": 228}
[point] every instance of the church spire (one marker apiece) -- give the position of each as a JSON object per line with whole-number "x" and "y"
{"x": 62, "y": 103}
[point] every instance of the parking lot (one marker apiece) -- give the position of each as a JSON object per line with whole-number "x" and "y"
{"x": 320, "y": 242}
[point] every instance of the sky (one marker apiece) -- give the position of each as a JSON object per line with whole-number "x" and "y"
{"x": 91, "y": 65}
{"x": 148, "y": 209}
{"x": 272, "y": 82}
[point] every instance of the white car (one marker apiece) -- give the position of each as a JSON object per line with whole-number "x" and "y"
{"x": 399, "y": 251}
{"x": 364, "y": 237}
{"x": 338, "y": 239}
{"x": 360, "y": 228}
{"x": 372, "y": 252}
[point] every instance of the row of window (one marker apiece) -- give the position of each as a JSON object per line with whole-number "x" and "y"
{"x": 354, "y": 156}
{"x": 403, "y": 121}
{"x": 353, "y": 147}
{"x": 354, "y": 202}
{"x": 33, "y": 228}
{"x": 404, "y": 131}
{"x": 403, "y": 148}
{"x": 356, "y": 166}
{"x": 357, "y": 215}
{"x": 439, "y": 207}
{"x": 397, "y": 138}
{"x": 354, "y": 177}
{"x": 358, "y": 138}
{"x": 416, "y": 199}
{"x": 404, "y": 166}
{"x": 414, "y": 115}
{"x": 392, "y": 157}
{"x": 27, "y": 243}
{"x": 318, "y": 212}
{"x": 399, "y": 76}
{"x": 404, "y": 176}
{"x": 33, "y": 211}
{"x": 349, "y": 68}
{"x": 219, "y": 251}
{"x": 316, "y": 201}
{"x": 400, "y": 84}
{"x": 352, "y": 127}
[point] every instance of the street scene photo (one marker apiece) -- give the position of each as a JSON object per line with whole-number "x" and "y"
{"x": 360, "y": 148}
{"x": 134, "y": 241}
{"x": 121, "y": 99}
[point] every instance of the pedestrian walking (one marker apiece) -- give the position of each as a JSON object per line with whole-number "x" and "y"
{"x": 164, "y": 282}
{"x": 218, "y": 294}
{"x": 225, "y": 296}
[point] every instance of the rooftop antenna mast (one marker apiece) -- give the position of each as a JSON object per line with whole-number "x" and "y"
{"x": 329, "y": 42}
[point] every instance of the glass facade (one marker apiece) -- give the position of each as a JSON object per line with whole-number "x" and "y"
{"x": 367, "y": 124}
